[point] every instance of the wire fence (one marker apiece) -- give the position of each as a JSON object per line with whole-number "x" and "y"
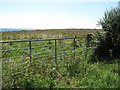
{"x": 40, "y": 51}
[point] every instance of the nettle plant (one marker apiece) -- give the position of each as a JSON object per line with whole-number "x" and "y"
{"x": 108, "y": 41}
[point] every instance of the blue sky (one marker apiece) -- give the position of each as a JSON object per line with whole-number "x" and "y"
{"x": 51, "y": 15}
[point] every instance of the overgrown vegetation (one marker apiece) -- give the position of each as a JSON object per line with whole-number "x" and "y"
{"x": 68, "y": 72}
{"x": 108, "y": 42}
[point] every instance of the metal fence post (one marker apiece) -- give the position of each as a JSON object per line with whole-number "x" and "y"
{"x": 30, "y": 52}
{"x": 55, "y": 52}
{"x": 74, "y": 48}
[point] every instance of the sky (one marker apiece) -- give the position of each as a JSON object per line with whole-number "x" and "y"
{"x": 53, "y": 14}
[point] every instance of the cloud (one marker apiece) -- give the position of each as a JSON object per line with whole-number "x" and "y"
{"x": 43, "y": 21}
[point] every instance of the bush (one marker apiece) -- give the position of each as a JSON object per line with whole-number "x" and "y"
{"x": 108, "y": 41}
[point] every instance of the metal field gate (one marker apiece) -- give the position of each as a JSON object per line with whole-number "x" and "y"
{"x": 40, "y": 51}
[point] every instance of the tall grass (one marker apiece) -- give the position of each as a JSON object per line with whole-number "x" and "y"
{"x": 68, "y": 72}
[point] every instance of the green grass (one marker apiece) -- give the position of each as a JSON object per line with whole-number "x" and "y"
{"x": 68, "y": 72}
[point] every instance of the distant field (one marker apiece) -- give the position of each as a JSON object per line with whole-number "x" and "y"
{"x": 45, "y": 34}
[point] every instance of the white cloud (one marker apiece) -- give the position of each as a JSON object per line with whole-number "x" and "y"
{"x": 43, "y": 21}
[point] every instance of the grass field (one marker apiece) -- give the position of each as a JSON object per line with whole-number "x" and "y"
{"x": 45, "y": 34}
{"x": 68, "y": 72}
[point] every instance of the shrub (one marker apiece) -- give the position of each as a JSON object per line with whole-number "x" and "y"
{"x": 108, "y": 41}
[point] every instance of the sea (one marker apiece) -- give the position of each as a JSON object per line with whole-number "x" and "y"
{"x": 17, "y": 29}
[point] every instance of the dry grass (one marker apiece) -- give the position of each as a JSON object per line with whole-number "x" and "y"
{"x": 45, "y": 34}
